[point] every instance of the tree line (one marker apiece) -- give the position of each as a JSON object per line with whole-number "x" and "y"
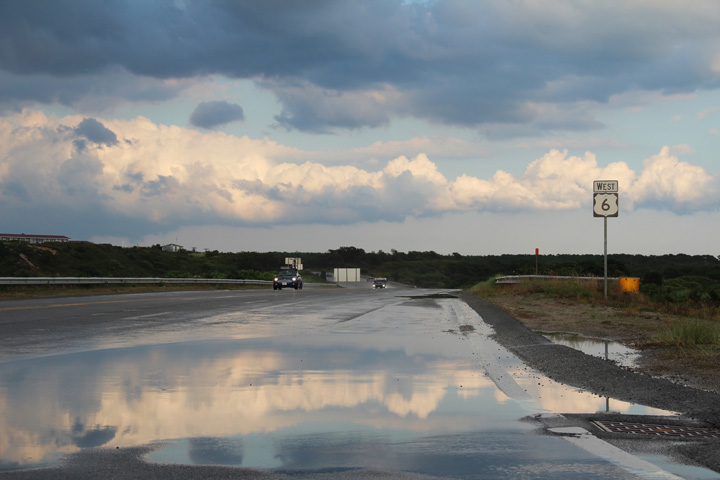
{"x": 423, "y": 269}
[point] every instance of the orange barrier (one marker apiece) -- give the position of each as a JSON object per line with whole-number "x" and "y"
{"x": 629, "y": 284}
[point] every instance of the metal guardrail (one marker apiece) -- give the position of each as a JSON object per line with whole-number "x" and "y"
{"x": 138, "y": 280}
{"x": 530, "y": 278}
{"x": 124, "y": 280}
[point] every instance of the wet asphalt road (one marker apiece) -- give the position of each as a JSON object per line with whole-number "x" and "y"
{"x": 37, "y": 328}
{"x": 570, "y": 367}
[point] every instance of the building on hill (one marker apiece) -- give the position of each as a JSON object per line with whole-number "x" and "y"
{"x": 14, "y": 237}
{"x": 171, "y": 247}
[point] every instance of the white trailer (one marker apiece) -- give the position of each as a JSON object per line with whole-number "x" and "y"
{"x": 346, "y": 274}
{"x": 294, "y": 263}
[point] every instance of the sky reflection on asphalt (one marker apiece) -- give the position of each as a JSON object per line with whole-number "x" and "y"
{"x": 255, "y": 402}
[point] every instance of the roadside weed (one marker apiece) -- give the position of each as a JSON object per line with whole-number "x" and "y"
{"x": 691, "y": 333}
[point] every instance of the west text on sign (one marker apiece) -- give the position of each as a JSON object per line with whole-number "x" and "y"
{"x": 605, "y": 186}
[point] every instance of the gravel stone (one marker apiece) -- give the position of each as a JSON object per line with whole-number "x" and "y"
{"x": 572, "y": 367}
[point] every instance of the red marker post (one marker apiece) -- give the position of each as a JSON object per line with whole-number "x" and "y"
{"x": 537, "y": 252}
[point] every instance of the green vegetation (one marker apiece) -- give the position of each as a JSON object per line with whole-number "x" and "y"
{"x": 579, "y": 290}
{"x": 422, "y": 269}
{"x": 694, "y": 333}
{"x": 678, "y": 281}
{"x": 689, "y": 288}
{"x": 93, "y": 260}
{"x": 690, "y": 313}
{"x": 432, "y": 270}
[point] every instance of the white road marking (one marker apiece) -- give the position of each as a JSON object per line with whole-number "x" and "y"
{"x": 590, "y": 443}
{"x": 483, "y": 345}
{"x": 148, "y": 316}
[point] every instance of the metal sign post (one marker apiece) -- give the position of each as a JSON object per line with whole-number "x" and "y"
{"x": 605, "y": 256}
{"x": 605, "y": 204}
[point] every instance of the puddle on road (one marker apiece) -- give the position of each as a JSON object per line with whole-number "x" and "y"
{"x": 608, "y": 350}
{"x": 337, "y": 400}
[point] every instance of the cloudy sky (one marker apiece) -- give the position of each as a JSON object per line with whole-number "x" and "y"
{"x": 462, "y": 126}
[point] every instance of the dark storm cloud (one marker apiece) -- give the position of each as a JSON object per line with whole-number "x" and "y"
{"x": 213, "y": 114}
{"x": 87, "y": 93}
{"x": 448, "y": 61}
{"x": 96, "y": 132}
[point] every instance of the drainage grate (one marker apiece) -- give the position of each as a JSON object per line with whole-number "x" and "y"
{"x": 654, "y": 429}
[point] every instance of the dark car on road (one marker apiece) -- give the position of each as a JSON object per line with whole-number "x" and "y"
{"x": 287, "y": 277}
{"x": 380, "y": 283}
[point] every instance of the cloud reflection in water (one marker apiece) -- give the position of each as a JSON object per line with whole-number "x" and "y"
{"x": 259, "y": 402}
{"x": 214, "y": 389}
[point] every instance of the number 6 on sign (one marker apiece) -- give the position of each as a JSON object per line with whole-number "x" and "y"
{"x": 605, "y": 205}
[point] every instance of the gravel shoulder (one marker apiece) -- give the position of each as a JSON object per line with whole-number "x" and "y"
{"x": 572, "y": 367}
{"x": 596, "y": 375}
{"x": 637, "y": 328}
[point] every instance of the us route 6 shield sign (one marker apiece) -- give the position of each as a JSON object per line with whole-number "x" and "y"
{"x": 605, "y": 205}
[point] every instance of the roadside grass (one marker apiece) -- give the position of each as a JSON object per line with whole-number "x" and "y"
{"x": 695, "y": 333}
{"x": 579, "y": 290}
{"x": 682, "y": 329}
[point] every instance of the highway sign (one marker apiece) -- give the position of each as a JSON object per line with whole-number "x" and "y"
{"x": 605, "y": 205}
{"x": 605, "y": 186}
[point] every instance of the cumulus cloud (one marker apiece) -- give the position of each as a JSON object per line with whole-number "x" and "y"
{"x": 150, "y": 176}
{"x": 312, "y": 109}
{"x": 209, "y": 115}
{"x": 666, "y": 182}
{"x": 514, "y": 67}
